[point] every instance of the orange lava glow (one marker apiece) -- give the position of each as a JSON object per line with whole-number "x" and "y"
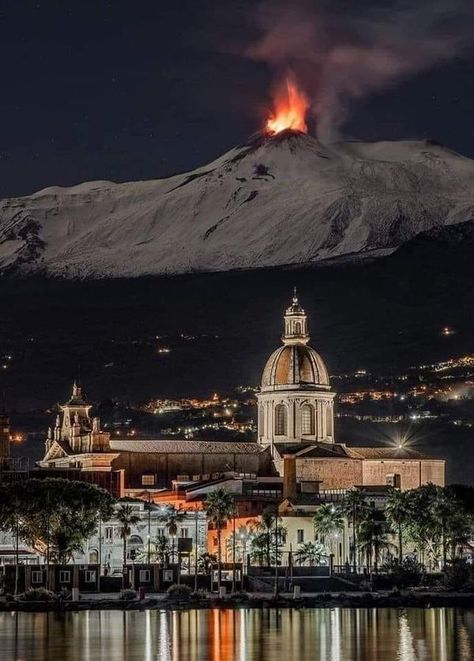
{"x": 291, "y": 105}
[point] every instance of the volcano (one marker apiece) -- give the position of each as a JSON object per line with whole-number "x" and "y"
{"x": 276, "y": 200}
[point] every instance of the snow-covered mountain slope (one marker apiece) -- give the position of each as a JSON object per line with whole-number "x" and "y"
{"x": 281, "y": 200}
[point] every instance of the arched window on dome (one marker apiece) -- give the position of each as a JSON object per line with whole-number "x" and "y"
{"x": 298, "y": 328}
{"x": 281, "y": 420}
{"x": 307, "y": 420}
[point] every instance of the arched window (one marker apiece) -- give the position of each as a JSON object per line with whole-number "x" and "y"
{"x": 280, "y": 420}
{"x": 298, "y": 328}
{"x": 93, "y": 557}
{"x": 135, "y": 540}
{"x": 307, "y": 420}
{"x": 329, "y": 431}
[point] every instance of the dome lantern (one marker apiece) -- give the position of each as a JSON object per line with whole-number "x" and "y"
{"x": 296, "y": 323}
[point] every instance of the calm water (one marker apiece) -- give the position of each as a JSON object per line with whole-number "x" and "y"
{"x": 438, "y": 634}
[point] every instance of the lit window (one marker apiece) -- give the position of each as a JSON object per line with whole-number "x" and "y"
{"x": 64, "y": 576}
{"x": 90, "y": 576}
{"x": 148, "y": 480}
{"x": 36, "y": 576}
{"x": 307, "y": 420}
{"x": 280, "y": 420}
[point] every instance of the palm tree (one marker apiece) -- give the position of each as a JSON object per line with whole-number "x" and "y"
{"x": 127, "y": 517}
{"x": 159, "y": 551}
{"x": 243, "y": 537}
{"x": 219, "y": 507}
{"x": 397, "y": 510}
{"x": 354, "y": 505}
{"x": 265, "y": 525}
{"x": 171, "y": 516}
{"x": 328, "y": 521}
{"x": 310, "y": 552}
{"x": 374, "y": 537}
{"x": 444, "y": 507}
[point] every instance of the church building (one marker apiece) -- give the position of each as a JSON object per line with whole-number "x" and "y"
{"x": 296, "y": 422}
{"x": 295, "y": 436}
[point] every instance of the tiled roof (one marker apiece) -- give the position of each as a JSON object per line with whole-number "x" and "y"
{"x": 385, "y": 453}
{"x": 312, "y": 450}
{"x": 342, "y": 451}
{"x": 186, "y": 447}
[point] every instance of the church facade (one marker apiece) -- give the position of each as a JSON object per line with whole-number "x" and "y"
{"x": 295, "y": 419}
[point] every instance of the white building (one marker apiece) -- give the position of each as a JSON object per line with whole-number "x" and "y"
{"x": 106, "y": 545}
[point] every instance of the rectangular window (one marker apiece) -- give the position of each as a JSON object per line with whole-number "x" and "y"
{"x": 64, "y": 576}
{"x": 184, "y": 532}
{"x": 160, "y": 532}
{"x": 300, "y": 536}
{"x": 109, "y": 533}
{"x": 148, "y": 480}
{"x": 90, "y": 576}
{"x": 36, "y": 577}
{"x": 144, "y": 576}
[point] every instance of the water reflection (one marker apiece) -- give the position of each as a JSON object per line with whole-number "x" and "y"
{"x": 438, "y": 634}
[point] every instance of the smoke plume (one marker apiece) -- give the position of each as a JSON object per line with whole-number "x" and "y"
{"x": 340, "y": 52}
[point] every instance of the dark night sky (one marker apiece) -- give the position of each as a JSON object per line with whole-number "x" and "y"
{"x": 127, "y": 90}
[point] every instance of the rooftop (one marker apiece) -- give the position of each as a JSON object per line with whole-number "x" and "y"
{"x": 182, "y": 447}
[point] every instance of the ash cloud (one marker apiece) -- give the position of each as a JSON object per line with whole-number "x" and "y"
{"x": 340, "y": 52}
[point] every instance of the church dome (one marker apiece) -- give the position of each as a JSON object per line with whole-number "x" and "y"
{"x": 295, "y": 365}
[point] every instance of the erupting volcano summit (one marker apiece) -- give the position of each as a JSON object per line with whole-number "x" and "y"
{"x": 278, "y": 199}
{"x": 291, "y": 105}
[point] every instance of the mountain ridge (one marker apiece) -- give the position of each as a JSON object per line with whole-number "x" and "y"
{"x": 273, "y": 201}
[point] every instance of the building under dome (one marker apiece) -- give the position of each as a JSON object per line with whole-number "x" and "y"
{"x": 295, "y": 437}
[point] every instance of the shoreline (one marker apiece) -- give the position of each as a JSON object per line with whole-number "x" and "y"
{"x": 321, "y": 600}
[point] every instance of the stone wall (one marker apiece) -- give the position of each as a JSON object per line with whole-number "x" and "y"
{"x": 167, "y": 466}
{"x": 333, "y": 473}
{"x": 413, "y": 472}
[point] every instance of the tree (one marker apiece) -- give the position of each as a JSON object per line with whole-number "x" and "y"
{"x": 266, "y": 525}
{"x": 171, "y": 516}
{"x": 328, "y": 521}
{"x": 398, "y": 511}
{"x": 310, "y": 552}
{"x": 374, "y": 537}
{"x": 159, "y": 551}
{"x": 206, "y": 562}
{"x": 355, "y": 504}
{"x": 54, "y": 515}
{"x": 259, "y": 547}
{"x": 243, "y": 537}
{"x": 127, "y": 516}
{"x": 219, "y": 506}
